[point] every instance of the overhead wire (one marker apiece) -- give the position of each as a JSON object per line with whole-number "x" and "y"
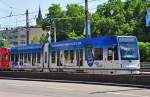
{"x": 36, "y": 11}
{"x": 62, "y": 18}
{"x": 11, "y": 7}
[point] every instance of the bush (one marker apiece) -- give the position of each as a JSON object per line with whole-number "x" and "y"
{"x": 4, "y": 43}
{"x": 144, "y": 51}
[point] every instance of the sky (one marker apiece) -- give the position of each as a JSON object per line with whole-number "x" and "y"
{"x": 15, "y": 7}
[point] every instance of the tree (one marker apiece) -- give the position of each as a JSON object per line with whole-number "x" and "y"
{"x": 53, "y": 18}
{"x": 128, "y": 18}
{"x": 76, "y": 23}
{"x": 4, "y": 43}
{"x": 65, "y": 21}
{"x": 144, "y": 51}
{"x": 74, "y": 36}
{"x": 115, "y": 17}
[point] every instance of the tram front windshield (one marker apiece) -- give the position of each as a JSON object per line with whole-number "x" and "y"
{"x": 129, "y": 51}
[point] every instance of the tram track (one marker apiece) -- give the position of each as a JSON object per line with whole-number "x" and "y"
{"x": 80, "y": 82}
{"x": 142, "y": 79}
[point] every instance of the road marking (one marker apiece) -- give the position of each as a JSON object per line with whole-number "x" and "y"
{"x": 129, "y": 94}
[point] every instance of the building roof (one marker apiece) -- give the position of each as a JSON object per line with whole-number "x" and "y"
{"x": 39, "y": 15}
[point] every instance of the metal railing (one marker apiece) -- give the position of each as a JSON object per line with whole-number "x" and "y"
{"x": 145, "y": 64}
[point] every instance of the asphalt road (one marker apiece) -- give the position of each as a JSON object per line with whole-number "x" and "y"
{"x": 16, "y": 88}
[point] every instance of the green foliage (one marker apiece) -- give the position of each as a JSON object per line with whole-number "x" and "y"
{"x": 116, "y": 17}
{"x": 77, "y": 23}
{"x": 40, "y": 40}
{"x": 128, "y": 17}
{"x": 35, "y": 40}
{"x": 62, "y": 21}
{"x": 74, "y": 36}
{"x": 4, "y": 43}
{"x": 44, "y": 38}
{"x": 40, "y": 23}
{"x": 144, "y": 51}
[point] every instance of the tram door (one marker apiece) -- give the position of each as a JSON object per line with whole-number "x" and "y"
{"x": 79, "y": 58}
{"x": 46, "y": 57}
{"x": 109, "y": 58}
{"x": 112, "y": 57}
{"x": 59, "y": 57}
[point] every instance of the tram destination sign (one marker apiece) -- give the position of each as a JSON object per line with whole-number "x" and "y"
{"x": 126, "y": 39}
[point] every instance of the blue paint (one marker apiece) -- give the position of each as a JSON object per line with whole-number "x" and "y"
{"x": 148, "y": 18}
{"x": 27, "y": 49}
{"x": 98, "y": 42}
{"x": 90, "y": 57}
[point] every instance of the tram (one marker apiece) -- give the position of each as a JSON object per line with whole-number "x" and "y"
{"x": 5, "y": 59}
{"x": 100, "y": 55}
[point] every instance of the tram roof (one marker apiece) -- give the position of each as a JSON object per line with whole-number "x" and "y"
{"x": 27, "y": 49}
{"x": 98, "y": 42}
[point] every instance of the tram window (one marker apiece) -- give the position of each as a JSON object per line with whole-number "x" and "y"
{"x": 58, "y": 59}
{"x": 71, "y": 56}
{"x": 29, "y": 58}
{"x": 79, "y": 54}
{"x": 115, "y": 53}
{"x": 3, "y": 57}
{"x": 87, "y": 50}
{"x": 38, "y": 58}
{"x": 12, "y": 57}
{"x": 16, "y": 58}
{"x": 53, "y": 56}
{"x": 66, "y": 56}
{"x": 86, "y": 54}
{"x": 110, "y": 53}
{"x": 25, "y": 58}
{"x": 81, "y": 57}
{"x": 45, "y": 57}
{"x": 33, "y": 58}
{"x": 7, "y": 57}
{"x": 21, "y": 59}
{"x": 98, "y": 53}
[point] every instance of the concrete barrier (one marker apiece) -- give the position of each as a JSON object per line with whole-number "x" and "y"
{"x": 123, "y": 79}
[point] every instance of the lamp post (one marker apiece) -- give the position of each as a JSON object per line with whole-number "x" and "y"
{"x": 87, "y": 25}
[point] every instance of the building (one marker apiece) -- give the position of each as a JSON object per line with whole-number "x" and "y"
{"x": 17, "y": 36}
{"x": 39, "y": 18}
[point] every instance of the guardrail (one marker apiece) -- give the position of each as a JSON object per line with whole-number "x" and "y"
{"x": 145, "y": 67}
{"x": 145, "y": 64}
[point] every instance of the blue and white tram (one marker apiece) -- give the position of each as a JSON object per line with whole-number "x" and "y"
{"x": 27, "y": 57}
{"x": 100, "y": 55}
